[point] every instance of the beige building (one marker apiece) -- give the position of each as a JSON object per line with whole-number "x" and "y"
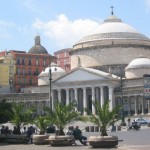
{"x": 7, "y": 71}
{"x": 108, "y": 65}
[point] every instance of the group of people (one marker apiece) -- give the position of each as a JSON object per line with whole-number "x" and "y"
{"x": 77, "y": 133}
{"x": 5, "y": 130}
{"x": 26, "y": 131}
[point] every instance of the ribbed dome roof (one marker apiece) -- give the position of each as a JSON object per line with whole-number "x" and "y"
{"x": 55, "y": 69}
{"x": 113, "y": 28}
{"x": 141, "y": 62}
{"x": 38, "y": 48}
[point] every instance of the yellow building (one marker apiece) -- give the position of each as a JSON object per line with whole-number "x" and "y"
{"x": 7, "y": 71}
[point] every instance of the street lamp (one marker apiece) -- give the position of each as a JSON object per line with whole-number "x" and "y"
{"x": 121, "y": 85}
{"x": 50, "y": 85}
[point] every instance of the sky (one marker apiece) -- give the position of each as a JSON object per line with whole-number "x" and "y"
{"x": 62, "y": 23}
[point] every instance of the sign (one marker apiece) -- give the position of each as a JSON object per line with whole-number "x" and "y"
{"x": 146, "y": 85}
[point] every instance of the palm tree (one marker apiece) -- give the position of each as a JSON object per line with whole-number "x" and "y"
{"x": 63, "y": 115}
{"x": 42, "y": 122}
{"x": 104, "y": 117}
{"x": 21, "y": 116}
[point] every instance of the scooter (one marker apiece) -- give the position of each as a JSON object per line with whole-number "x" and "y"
{"x": 134, "y": 126}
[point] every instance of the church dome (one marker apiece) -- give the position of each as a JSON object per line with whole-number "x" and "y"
{"x": 113, "y": 28}
{"x": 56, "y": 72}
{"x": 141, "y": 62}
{"x": 115, "y": 41}
{"x": 137, "y": 68}
{"x": 38, "y": 48}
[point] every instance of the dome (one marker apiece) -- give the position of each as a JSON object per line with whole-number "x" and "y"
{"x": 56, "y": 72}
{"x": 141, "y": 62}
{"x": 38, "y": 48}
{"x": 113, "y": 28}
{"x": 137, "y": 68}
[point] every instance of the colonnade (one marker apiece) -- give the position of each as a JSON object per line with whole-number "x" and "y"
{"x": 84, "y": 97}
{"x": 134, "y": 105}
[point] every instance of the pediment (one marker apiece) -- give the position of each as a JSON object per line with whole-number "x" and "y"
{"x": 81, "y": 75}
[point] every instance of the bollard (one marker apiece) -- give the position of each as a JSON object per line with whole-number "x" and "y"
{"x": 118, "y": 128}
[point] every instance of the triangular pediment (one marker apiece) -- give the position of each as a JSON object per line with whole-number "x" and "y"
{"x": 82, "y": 74}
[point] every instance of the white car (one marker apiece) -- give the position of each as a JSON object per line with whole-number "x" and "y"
{"x": 142, "y": 121}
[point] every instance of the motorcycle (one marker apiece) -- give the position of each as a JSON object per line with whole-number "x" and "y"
{"x": 134, "y": 126}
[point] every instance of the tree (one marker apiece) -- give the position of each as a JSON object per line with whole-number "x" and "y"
{"x": 5, "y": 109}
{"x": 63, "y": 115}
{"x": 21, "y": 116}
{"x": 42, "y": 122}
{"x": 104, "y": 117}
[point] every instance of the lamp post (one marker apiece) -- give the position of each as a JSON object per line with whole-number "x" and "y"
{"x": 50, "y": 85}
{"x": 122, "y": 110}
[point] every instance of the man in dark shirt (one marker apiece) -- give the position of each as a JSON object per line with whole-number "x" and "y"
{"x": 77, "y": 133}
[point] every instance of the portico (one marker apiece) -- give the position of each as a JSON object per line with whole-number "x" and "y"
{"x": 84, "y": 89}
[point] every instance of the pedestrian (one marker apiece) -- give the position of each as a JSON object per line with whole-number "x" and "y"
{"x": 29, "y": 133}
{"x": 24, "y": 130}
{"x": 70, "y": 130}
{"x": 16, "y": 131}
{"x": 129, "y": 121}
{"x": 77, "y": 133}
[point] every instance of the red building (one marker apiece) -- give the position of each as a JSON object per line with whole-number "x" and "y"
{"x": 29, "y": 65}
{"x": 63, "y": 59}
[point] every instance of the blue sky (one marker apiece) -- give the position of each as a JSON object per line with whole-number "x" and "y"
{"x": 61, "y": 24}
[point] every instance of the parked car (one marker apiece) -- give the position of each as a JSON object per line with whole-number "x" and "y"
{"x": 142, "y": 121}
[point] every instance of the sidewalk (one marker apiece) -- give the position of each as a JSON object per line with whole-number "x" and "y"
{"x": 137, "y": 147}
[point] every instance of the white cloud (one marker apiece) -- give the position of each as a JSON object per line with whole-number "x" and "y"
{"x": 64, "y": 32}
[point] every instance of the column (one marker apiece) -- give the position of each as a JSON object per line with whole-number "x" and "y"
{"x": 143, "y": 104}
{"x": 102, "y": 96}
{"x": 148, "y": 107}
{"x": 135, "y": 106}
{"x": 52, "y": 100}
{"x": 93, "y": 99}
{"x": 84, "y": 101}
{"x": 129, "y": 106}
{"x": 76, "y": 98}
{"x": 59, "y": 95}
{"x": 71, "y": 95}
{"x": 111, "y": 103}
{"x": 67, "y": 96}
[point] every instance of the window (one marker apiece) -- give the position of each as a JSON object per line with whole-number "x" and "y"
{"x": 44, "y": 62}
{"x": 37, "y": 71}
{"x": 30, "y": 82}
{"x": 65, "y": 62}
{"x": 37, "y": 62}
{"x": 23, "y": 71}
{"x": 18, "y": 61}
{"x": 30, "y": 62}
{"x": 30, "y": 72}
{"x": 23, "y": 61}
{"x": 18, "y": 71}
{"x": 19, "y": 81}
{"x": 58, "y": 63}
{"x": 65, "y": 54}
